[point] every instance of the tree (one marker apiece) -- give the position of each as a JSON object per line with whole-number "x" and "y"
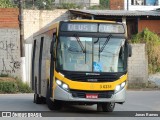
{"x": 44, "y": 4}
{"x": 104, "y": 3}
{"x": 6, "y": 4}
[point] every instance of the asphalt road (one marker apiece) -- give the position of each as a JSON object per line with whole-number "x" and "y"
{"x": 136, "y": 101}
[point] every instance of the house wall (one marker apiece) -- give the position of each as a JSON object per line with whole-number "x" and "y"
{"x": 9, "y": 18}
{"x": 152, "y": 25}
{"x": 116, "y": 4}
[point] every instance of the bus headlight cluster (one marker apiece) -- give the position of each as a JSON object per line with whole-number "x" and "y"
{"x": 62, "y": 85}
{"x": 120, "y": 87}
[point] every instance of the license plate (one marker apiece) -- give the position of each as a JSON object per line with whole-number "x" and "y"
{"x": 91, "y": 96}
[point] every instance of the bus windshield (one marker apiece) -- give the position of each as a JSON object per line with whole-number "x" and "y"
{"x": 90, "y": 54}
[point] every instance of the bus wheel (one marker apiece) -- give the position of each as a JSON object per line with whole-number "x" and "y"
{"x": 108, "y": 107}
{"x": 56, "y": 105}
{"x": 37, "y": 99}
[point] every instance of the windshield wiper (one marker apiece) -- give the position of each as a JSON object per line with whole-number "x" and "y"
{"x": 80, "y": 43}
{"x": 104, "y": 45}
{"x": 98, "y": 48}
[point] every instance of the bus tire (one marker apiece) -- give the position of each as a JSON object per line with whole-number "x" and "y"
{"x": 37, "y": 99}
{"x": 108, "y": 107}
{"x": 56, "y": 105}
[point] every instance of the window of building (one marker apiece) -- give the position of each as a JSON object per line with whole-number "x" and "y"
{"x": 151, "y": 2}
{"x": 144, "y": 2}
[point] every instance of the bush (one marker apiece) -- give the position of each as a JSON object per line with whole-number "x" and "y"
{"x": 11, "y": 85}
{"x": 152, "y": 42}
{"x": 7, "y": 4}
{"x": 3, "y": 75}
{"x": 23, "y": 87}
{"x": 8, "y": 87}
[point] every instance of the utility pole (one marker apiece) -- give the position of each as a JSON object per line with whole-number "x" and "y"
{"x": 21, "y": 25}
{"x": 22, "y": 47}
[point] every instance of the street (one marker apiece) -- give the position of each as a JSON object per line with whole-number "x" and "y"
{"x": 136, "y": 101}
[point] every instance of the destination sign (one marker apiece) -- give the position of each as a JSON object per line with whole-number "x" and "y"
{"x": 80, "y": 27}
{"x": 111, "y": 28}
{"x": 93, "y": 27}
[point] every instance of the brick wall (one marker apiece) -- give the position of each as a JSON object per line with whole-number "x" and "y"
{"x": 9, "y": 42}
{"x": 9, "y": 18}
{"x": 116, "y": 4}
{"x": 138, "y": 65}
{"x": 152, "y": 25}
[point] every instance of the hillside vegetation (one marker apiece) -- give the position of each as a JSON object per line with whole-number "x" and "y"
{"x": 6, "y": 4}
{"x": 152, "y": 42}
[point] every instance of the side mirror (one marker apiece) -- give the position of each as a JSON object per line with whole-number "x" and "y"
{"x": 129, "y": 50}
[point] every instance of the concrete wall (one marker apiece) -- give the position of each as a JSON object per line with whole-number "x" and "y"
{"x": 10, "y": 52}
{"x": 138, "y": 65}
{"x": 79, "y": 2}
{"x": 34, "y": 20}
{"x": 10, "y": 61}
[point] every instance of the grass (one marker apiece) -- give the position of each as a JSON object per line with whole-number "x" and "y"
{"x": 13, "y": 85}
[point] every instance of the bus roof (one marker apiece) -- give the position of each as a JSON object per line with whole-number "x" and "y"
{"x": 86, "y": 20}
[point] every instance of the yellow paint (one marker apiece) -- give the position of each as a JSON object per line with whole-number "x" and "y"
{"x": 98, "y": 21}
{"x": 90, "y": 85}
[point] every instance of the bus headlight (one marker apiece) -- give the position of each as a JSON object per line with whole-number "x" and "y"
{"x": 123, "y": 84}
{"x": 62, "y": 85}
{"x": 120, "y": 87}
{"x": 59, "y": 82}
{"x": 65, "y": 86}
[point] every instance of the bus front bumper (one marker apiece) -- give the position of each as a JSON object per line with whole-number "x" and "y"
{"x": 62, "y": 95}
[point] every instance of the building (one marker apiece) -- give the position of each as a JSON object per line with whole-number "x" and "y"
{"x": 134, "y": 4}
{"x": 136, "y": 21}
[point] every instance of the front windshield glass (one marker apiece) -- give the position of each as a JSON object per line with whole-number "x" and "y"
{"x": 90, "y": 54}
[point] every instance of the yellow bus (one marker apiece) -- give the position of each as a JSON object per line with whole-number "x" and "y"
{"x": 80, "y": 62}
